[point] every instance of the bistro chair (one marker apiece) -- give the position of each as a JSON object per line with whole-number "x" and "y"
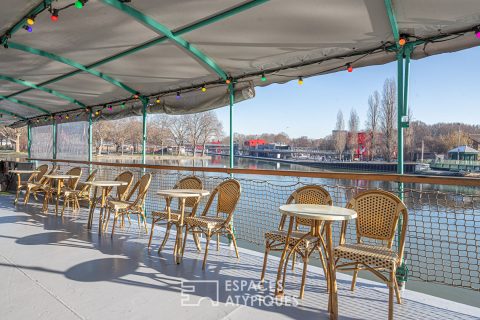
{"x": 276, "y": 240}
{"x": 80, "y": 192}
{"x": 129, "y": 206}
{"x": 33, "y": 178}
{"x": 378, "y": 215}
{"x": 41, "y": 185}
{"x": 227, "y": 194}
{"x": 191, "y": 205}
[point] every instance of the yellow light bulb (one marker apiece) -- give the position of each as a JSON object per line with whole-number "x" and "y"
{"x": 30, "y": 21}
{"x": 300, "y": 81}
{"x": 204, "y": 89}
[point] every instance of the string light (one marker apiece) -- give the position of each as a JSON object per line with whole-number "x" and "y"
{"x": 97, "y": 113}
{"x": 204, "y": 89}
{"x": 178, "y": 95}
{"x": 28, "y": 28}
{"x": 157, "y": 100}
{"x": 79, "y": 4}
{"x": 54, "y": 16}
{"x": 67, "y": 117}
{"x": 402, "y": 41}
{"x": 300, "y": 80}
{"x": 110, "y": 107}
{"x": 477, "y": 32}
{"x": 263, "y": 77}
{"x": 31, "y": 21}
{"x": 349, "y": 68}
{"x": 135, "y": 96}
{"x": 228, "y": 81}
{"x": 122, "y": 105}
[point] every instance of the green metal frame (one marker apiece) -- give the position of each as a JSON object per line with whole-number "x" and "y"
{"x": 162, "y": 29}
{"x": 72, "y": 63}
{"x": 231, "y": 90}
{"x": 29, "y": 140}
{"x": 90, "y": 140}
{"x": 41, "y": 88}
{"x": 24, "y": 103}
{"x": 12, "y": 114}
{"x": 54, "y": 135}
{"x": 144, "y": 129}
{"x": 402, "y": 95}
{"x": 19, "y": 25}
{"x": 217, "y": 17}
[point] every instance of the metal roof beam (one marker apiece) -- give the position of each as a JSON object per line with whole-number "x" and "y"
{"x": 194, "y": 26}
{"x": 24, "y": 103}
{"x": 41, "y": 88}
{"x": 12, "y": 114}
{"x": 72, "y": 63}
{"x": 162, "y": 29}
{"x": 393, "y": 21}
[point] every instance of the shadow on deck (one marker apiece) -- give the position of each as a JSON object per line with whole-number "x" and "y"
{"x": 53, "y": 268}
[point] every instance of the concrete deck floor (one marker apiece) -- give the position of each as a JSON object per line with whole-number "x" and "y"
{"x": 52, "y": 268}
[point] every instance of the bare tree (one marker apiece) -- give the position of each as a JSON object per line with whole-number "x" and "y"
{"x": 372, "y": 123}
{"x": 12, "y": 135}
{"x": 211, "y": 128}
{"x": 353, "y": 124}
{"x": 340, "y": 135}
{"x": 388, "y": 115}
{"x": 158, "y": 130}
{"x": 180, "y": 131}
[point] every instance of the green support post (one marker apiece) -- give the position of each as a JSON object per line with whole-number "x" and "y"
{"x": 231, "y": 91}
{"x": 29, "y": 140}
{"x": 54, "y": 136}
{"x": 400, "y": 110}
{"x": 90, "y": 140}
{"x": 144, "y": 131}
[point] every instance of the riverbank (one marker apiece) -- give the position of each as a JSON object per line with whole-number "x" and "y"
{"x": 149, "y": 157}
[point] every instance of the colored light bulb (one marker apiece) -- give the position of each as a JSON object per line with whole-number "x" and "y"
{"x": 157, "y": 100}
{"x": 30, "y": 21}
{"x": 78, "y": 4}
{"x": 204, "y": 89}
{"x": 227, "y": 81}
{"x": 477, "y": 34}
{"x": 122, "y": 105}
{"x": 178, "y": 96}
{"x": 54, "y": 16}
{"x": 402, "y": 41}
{"x": 264, "y": 78}
{"x": 300, "y": 80}
{"x": 349, "y": 68}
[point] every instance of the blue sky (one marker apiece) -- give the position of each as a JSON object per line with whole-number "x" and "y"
{"x": 443, "y": 88}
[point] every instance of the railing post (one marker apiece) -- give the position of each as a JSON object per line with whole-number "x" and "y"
{"x": 29, "y": 140}
{"x": 90, "y": 141}
{"x": 54, "y": 136}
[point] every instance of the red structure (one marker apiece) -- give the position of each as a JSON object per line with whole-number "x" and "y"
{"x": 253, "y": 143}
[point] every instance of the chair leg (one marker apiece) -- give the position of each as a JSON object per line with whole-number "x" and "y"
{"x": 304, "y": 275}
{"x": 165, "y": 239}
{"x": 197, "y": 241}
{"x": 185, "y": 240}
{"x": 218, "y": 242}
{"x": 138, "y": 220}
{"x": 234, "y": 242}
{"x": 27, "y": 197}
{"x": 354, "y": 278}
{"x": 208, "y": 235}
{"x": 324, "y": 266}
{"x": 114, "y": 223}
{"x": 391, "y": 286}
{"x": 294, "y": 260}
{"x": 145, "y": 223}
{"x": 65, "y": 201}
{"x": 107, "y": 220}
{"x": 397, "y": 291}
{"x": 151, "y": 233}
{"x": 265, "y": 259}
{"x": 16, "y": 196}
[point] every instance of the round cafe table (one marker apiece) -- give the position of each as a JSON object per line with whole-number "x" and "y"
{"x": 60, "y": 178}
{"x": 182, "y": 195}
{"x": 104, "y": 185}
{"x": 19, "y": 179}
{"x": 318, "y": 214}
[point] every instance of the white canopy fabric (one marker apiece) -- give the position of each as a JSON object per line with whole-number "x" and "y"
{"x": 284, "y": 39}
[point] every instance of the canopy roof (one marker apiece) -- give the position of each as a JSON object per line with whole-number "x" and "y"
{"x": 464, "y": 149}
{"x": 110, "y": 51}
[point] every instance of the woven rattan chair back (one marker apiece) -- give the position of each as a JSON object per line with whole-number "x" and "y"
{"x": 311, "y": 194}
{"x": 43, "y": 170}
{"x": 122, "y": 191}
{"x": 227, "y": 193}
{"x": 72, "y": 183}
{"x": 378, "y": 214}
{"x": 189, "y": 183}
{"x": 85, "y": 187}
{"x": 141, "y": 188}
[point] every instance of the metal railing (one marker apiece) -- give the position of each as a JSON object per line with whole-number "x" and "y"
{"x": 444, "y": 212}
